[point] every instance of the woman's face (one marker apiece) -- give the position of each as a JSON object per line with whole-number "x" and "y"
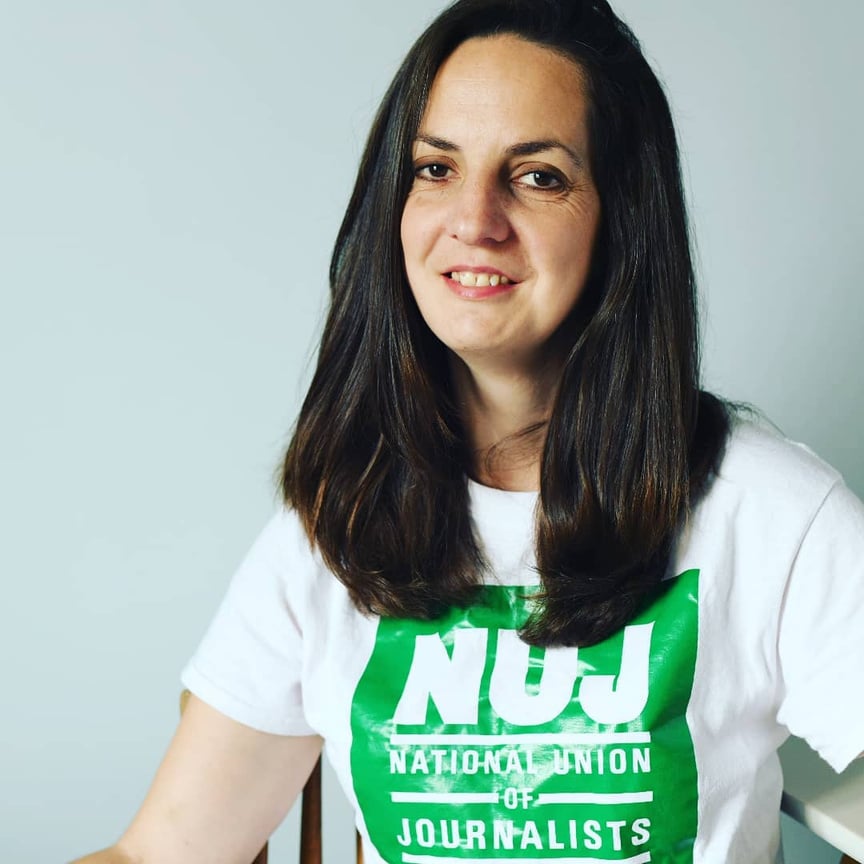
{"x": 498, "y": 228}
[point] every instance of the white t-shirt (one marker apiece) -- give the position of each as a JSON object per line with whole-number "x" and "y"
{"x": 455, "y": 742}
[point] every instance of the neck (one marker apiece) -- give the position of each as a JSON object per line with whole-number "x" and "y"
{"x": 505, "y": 411}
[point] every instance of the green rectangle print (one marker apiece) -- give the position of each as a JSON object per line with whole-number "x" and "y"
{"x": 471, "y": 746}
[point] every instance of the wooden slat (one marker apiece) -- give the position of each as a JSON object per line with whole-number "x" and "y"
{"x": 310, "y": 818}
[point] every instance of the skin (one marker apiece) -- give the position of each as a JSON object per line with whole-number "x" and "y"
{"x": 220, "y": 792}
{"x": 502, "y": 184}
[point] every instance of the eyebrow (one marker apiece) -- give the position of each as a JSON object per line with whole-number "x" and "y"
{"x": 523, "y": 148}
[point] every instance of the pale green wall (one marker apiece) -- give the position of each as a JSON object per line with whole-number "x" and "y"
{"x": 172, "y": 177}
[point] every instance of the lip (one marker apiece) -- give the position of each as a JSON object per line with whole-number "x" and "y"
{"x": 478, "y": 292}
{"x": 467, "y": 268}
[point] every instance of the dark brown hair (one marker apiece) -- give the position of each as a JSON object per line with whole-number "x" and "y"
{"x": 377, "y": 467}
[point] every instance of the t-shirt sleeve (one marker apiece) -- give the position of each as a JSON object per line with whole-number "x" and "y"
{"x": 821, "y": 640}
{"x": 249, "y": 664}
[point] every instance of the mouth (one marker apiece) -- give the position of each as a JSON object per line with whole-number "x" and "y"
{"x": 481, "y": 279}
{"x": 478, "y": 283}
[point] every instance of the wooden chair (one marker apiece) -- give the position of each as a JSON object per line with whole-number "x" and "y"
{"x": 310, "y": 816}
{"x": 310, "y": 823}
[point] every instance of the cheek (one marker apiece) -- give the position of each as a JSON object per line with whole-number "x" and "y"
{"x": 566, "y": 261}
{"x": 413, "y": 255}
{"x": 419, "y": 229}
{"x": 404, "y": 230}
{"x": 567, "y": 253}
{"x": 411, "y": 233}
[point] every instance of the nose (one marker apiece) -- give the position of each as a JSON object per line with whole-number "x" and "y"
{"x": 478, "y": 214}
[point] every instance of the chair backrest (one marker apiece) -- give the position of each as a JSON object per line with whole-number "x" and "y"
{"x": 310, "y": 816}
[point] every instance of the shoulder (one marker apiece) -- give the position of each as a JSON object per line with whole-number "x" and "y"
{"x": 764, "y": 498}
{"x": 281, "y": 559}
{"x": 758, "y": 461}
{"x": 284, "y": 535}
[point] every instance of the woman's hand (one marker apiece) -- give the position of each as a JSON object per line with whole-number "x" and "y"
{"x": 220, "y": 792}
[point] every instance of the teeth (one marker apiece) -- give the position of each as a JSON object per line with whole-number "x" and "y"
{"x": 478, "y": 280}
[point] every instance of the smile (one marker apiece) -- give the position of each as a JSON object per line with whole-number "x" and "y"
{"x": 478, "y": 280}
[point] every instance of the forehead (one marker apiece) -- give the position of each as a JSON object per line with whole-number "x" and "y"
{"x": 506, "y": 79}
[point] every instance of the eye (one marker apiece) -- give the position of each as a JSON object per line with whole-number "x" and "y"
{"x": 542, "y": 179}
{"x": 432, "y": 171}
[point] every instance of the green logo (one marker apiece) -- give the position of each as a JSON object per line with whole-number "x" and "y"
{"x": 471, "y": 746}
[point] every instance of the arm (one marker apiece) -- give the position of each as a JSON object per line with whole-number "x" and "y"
{"x": 220, "y": 792}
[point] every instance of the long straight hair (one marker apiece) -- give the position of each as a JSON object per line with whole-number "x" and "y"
{"x": 377, "y": 467}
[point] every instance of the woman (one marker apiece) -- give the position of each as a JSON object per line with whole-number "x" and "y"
{"x": 539, "y": 595}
